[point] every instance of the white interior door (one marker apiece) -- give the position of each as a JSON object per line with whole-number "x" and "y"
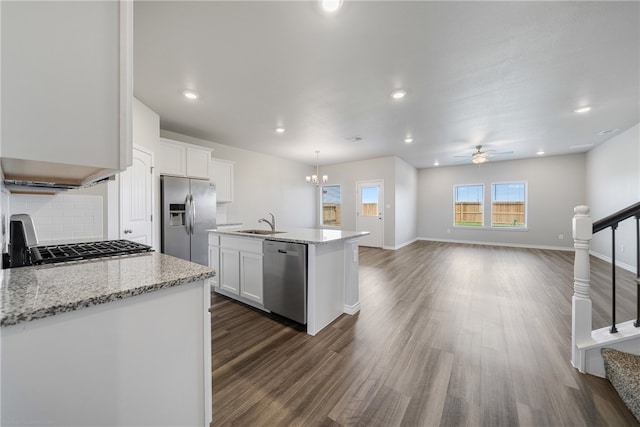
{"x": 369, "y": 217}
{"x": 136, "y": 199}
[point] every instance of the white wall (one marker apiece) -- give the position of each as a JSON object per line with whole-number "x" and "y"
{"x": 263, "y": 184}
{"x": 347, "y": 174}
{"x": 406, "y": 204}
{"x": 555, "y": 186}
{"x": 613, "y": 183}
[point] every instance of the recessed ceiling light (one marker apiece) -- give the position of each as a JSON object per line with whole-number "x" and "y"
{"x": 331, "y": 5}
{"x": 436, "y": 163}
{"x": 189, "y": 94}
{"x": 408, "y": 140}
{"x": 280, "y": 129}
{"x": 607, "y": 131}
{"x": 540, "y": 153}
{"x": 581, "y": 110}
{"x": 398, "y": 94}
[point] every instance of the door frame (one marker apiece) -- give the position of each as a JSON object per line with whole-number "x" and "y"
{"x": 153, "y": 194}
{"x": 372, "y": 182}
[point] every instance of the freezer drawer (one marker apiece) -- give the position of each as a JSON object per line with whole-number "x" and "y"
{"x": 285, "y": 279}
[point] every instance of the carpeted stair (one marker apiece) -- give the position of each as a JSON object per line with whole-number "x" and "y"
{"x": 623, "y": 371}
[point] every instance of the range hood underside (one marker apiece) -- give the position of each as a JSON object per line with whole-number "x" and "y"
{"x": 29, "y": 176}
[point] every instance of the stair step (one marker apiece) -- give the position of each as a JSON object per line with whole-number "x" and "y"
{"x": 623, "y": 371}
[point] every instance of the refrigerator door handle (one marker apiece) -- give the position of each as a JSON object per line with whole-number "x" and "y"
{"x": 193, "y": 211}
{"x": 187, "y": 214}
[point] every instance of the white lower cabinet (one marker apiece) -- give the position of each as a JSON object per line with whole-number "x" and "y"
{"x": 230, "y": 270}
{"x": 214, "y": 262}
{"x": 251, "y": 276}
{"x": 238, "y": 265}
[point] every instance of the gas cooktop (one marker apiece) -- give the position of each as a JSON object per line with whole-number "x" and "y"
{"x": 77, "y": 251}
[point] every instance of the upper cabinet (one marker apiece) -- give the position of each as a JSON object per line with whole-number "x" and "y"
{"x": 181, "y": 159}
{"x": 222, "y": 177}
{"x": 66, "y": 90}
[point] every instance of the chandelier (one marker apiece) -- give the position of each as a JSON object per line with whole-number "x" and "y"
{"x": 314, "y": 179}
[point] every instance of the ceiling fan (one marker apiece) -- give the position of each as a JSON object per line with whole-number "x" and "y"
{"x": 480, "y": 156}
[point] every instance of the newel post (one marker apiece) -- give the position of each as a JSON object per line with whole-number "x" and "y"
{"x": 581, "y": 302}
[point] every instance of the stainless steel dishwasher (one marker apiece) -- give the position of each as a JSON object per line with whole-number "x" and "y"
{"x": 285, "y": 279}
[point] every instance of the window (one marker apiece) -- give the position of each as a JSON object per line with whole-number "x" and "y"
{"x": 331, "y": 205}
{"x": 468, "y": 209}
{"x": 370, "y": 199}
{"x": 509, "y": 205}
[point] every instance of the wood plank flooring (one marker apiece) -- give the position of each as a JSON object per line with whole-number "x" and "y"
{"x": 448, "y": 335}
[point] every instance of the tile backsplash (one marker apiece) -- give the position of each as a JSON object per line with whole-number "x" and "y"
{"x": 63, "y": 217}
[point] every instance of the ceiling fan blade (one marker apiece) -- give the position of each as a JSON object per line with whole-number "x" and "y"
{"x": 502, "y": 153}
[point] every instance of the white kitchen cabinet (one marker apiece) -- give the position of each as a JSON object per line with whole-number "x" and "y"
{"x": 230, "y": 270}
{"x": 222, "y": 176}
{"x": 198, "y": 162}
{"x": 214, "y": 262}
{"x": 251, "y": 276}
{"x": 67, "y": 90}
{"x": 240, "y": 267}
{"x": 171, "y": 158}
{"x": 181, "y": 159}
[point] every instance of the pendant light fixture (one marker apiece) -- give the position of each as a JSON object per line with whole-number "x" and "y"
{"x": 314, "y": 179}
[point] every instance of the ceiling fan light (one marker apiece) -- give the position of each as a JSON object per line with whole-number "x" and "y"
{"x": 479, "y": 159}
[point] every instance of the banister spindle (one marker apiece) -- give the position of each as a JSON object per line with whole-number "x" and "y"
{"x": 613, "y": 329}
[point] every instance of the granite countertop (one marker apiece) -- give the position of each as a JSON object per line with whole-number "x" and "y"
{"x": 28, "y": 293}
{"x": 314, "y": 236}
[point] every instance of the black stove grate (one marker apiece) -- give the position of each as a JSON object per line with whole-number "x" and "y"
{"x": 76, "y": 251}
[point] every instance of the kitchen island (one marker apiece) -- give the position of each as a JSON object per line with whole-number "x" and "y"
{"x": 113, "y": 341}
{"x": 332, "y": 269}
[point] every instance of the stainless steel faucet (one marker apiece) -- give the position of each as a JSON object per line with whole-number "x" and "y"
{"x": 271, "y": 223}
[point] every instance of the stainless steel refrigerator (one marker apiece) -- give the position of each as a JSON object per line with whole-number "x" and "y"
{"x": 188, "y": 211}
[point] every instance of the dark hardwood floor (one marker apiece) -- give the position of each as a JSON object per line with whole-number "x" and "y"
{"x": 448, "y": 334}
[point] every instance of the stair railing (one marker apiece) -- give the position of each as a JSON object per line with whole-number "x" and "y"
{"x": 581, "y": 314}
{"x": 612, "y": 221}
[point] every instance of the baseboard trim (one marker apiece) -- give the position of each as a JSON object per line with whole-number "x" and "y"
{"x": 351, "y": 309}
{"x": 401, "y": 245}
{"x": 606, "y": 258}
{"x": 509, "y": 245}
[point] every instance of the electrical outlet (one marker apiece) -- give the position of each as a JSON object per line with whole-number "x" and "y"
{"x": 560, "y": 236}
{"x": 621, "y": 248}
{"x": 448, "y": 230}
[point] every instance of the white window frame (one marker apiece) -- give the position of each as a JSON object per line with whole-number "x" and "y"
{"x": 473, "y": 227}
{"x": 525, "y": 226}
{"x": 321, "y": 213}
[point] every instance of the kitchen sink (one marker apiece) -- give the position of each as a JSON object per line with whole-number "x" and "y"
{"x": 260, "y": 232}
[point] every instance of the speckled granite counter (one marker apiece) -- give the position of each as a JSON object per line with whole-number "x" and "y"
{"x": 313, "y": 236}
{"x": 28, "y": 293}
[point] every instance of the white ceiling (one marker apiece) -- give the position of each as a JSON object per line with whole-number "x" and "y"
{"x": 506, "y": 75}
